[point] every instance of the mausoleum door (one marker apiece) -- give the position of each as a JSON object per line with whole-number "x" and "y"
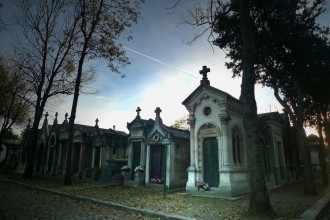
{"x": 136, "y": 155}
{"x": 157, "y": 161}
{"x": 211, "y": 161}
{"x": 40, "y": 155}
{"x": 97, "y": 156}
{"x": 76, "y": 156}
{"x": 50, "y": 160}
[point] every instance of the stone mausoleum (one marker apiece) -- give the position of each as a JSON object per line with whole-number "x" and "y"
{"x": 162, "y": 150}
{"x": 218, "y": 154}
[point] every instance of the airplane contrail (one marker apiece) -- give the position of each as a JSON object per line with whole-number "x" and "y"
{"x": 160, "y": 62}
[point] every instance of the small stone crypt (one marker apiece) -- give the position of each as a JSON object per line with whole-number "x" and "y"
{"x": 162, "y": 150}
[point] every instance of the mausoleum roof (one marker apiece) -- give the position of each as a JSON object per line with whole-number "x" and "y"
{"x": 212, "y": 90}
{"x": 176, "y": 132}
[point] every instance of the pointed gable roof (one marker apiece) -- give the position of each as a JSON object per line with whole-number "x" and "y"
{"x": 215, "y": 94}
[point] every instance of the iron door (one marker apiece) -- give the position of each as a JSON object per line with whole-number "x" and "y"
{"x": 157, "y": 161}
{"x": 211, "y": 162}
{"x": 136, "y": 156}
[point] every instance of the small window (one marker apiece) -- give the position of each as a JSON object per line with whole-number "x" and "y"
{"x": 207, "y": 111}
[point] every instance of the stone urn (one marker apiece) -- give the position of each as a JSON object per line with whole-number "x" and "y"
{"x": 126, "y": 174}
{"x": 139, "y": 178}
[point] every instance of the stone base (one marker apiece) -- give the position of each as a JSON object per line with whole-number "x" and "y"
{"x": 139, "y": 179}
{"x": 191, "y": 183}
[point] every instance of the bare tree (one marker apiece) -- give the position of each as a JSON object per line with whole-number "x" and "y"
{"x": 101, "y": 24}
{"x": 44, "y": 55}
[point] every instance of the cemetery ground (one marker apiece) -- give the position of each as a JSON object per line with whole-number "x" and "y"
{"x": 288, "y": 201}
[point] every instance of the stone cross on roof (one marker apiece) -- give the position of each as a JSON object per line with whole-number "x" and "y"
{"x": 158, "y": 118}
{"x": 46, "y": 115}
{"x": 138, "y": 112}
{"x": 66, "y": 116}
{"x": 204, "y": 72}
{"x": 96, "y": 122}
{"x": 158, "y": 111}
{"x": 55, "y": 120}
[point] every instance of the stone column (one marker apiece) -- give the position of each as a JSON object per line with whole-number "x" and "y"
{"x": 93, "y": 155}
{"x": 81, "y": 158}
{"x": 193, "y": 153}
{"x": 147, "y": 173}
{"x": 59, "y": 157}
{"x": 168, "y": 164}
{"x": 143, "y": 154}
{"x": 130, "y": 156}
{"x": 191, "y": 122}
{"x": 226, "y": 155}
{"x": 102, "y": 156}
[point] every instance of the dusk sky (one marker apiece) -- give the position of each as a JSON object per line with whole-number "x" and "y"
{"x": 163, "y": 72}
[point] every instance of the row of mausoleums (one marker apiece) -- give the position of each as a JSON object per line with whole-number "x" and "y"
{"x": 213, "y": 152}
{"x": 93, "y": 147}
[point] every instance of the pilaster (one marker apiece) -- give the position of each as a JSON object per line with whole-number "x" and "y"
{"x": 147, "y": 170}
{"x": 226, "y": 156}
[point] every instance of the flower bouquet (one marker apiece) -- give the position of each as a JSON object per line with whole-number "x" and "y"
{"x": 202, "y": 186}
{"x": 125, "y": 168}
{"x": 139, "y": 169}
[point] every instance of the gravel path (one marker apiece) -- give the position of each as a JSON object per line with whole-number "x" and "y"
{"x": 19, "y": 202}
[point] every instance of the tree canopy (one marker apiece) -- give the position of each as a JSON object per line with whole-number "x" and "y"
{"x": 14, "y": 108}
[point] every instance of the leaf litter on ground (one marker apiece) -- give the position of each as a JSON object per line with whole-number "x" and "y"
{"x": 287, "y": 201}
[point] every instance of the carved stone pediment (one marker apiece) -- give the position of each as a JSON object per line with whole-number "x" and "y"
{"x": 155, "y": 138}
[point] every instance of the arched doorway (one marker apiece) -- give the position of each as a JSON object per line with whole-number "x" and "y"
{"x": 211, "y": 161}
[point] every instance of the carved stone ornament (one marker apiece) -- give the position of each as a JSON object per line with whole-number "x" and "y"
{"x": 224, "y": 119}
{"x": 156, "y": 137}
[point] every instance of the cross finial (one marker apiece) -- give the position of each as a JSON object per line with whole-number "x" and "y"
{"x": 158, "y": 111}
{"x": 56, "y": 114}
{"x": 46, "y": 115}
{"x": 114, "y": 127}
{"x": 66, "y": 116}
{"x": 138, "y": 111}
{"x": 158, "y": 119}
{"x": 29, "y": 123}
{"x": 204, "y": 72}
{"x": 96, "y": 122}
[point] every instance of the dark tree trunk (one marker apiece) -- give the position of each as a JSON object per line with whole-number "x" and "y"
{"x": 69, "y": 156}
{"x": 68, "y": 168}
{"x": 259, "y": 198}
{"x": 309, "y": 182}
{"x": 32, "y": 146}
{"x": 297, "y": 118}
{"x": 326, "y": 124}
{"x": 323, "y": 163}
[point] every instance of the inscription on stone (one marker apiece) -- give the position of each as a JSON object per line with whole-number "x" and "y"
{"x": 137, "y": 133}
{"x": 210, "y": 132}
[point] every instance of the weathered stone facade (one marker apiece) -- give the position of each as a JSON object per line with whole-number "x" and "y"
{"x": 163, "y": 151}
{"x": 93, "y": 147}
{"x": 218, "y": 154}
